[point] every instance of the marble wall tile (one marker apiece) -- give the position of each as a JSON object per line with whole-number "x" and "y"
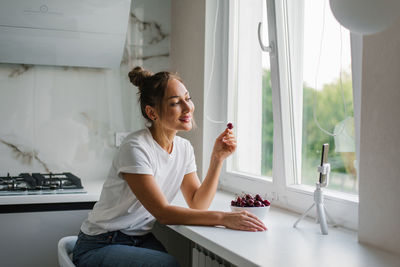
{"x": 57, "y": 119}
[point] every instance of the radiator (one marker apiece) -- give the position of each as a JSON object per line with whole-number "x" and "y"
{"x": 201, "y": 257}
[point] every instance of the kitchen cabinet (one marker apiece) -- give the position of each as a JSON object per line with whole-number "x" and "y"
{"x": 32, "y": 225}
{"x": 31, "y": 238}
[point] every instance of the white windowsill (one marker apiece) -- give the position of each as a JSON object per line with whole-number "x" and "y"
{"x": 283, "y": 245}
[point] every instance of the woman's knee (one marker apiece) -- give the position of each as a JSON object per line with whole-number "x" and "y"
{"x": 169, "y": 261}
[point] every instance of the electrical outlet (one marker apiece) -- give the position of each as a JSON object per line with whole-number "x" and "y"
{"x": 119, "y": 136}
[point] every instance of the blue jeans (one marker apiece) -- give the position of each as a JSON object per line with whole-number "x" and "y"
{"x": 116, "y": 249}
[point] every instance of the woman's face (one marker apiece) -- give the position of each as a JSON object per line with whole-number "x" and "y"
{"x": 178, "y": 108}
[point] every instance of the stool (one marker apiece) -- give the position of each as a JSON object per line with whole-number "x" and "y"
{"x": 65, "y": 247}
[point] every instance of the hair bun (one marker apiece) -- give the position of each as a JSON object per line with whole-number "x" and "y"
{"x": 138, "y": 75}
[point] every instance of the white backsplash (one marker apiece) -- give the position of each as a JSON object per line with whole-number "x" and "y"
{"x": 64, "y": 119}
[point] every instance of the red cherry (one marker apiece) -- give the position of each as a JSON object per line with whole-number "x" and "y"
{"x": 247, "y": 200}
{"x": 229, "y": 126}
{"x": 250, "y": 202}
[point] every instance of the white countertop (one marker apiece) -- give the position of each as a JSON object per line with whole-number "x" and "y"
{"x": 93, "y": 189}
{"x": 282, "y": 245}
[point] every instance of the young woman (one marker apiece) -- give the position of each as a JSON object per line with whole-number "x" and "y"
{"x": 148, "y": 170}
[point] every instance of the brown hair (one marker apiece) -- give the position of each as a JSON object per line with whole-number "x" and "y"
{"x": 151, "y": 87}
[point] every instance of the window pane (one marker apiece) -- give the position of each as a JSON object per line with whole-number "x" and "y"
{"x": 253, "y": 102}
{"x": 326, "y": 80}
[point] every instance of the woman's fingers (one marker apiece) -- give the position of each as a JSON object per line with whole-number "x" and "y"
{"x": 255, "y": 221}
{"x": 224, "y": 133}
{"x": 244, "y": 221}
{"x": 229, "y": 138}
{"x": 250, "y": 222}
{"x": 252, "y": 226}
{"x": 225, "y": 144}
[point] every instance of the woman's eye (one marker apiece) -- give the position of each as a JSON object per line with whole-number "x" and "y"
{"x": 179, "y": 102}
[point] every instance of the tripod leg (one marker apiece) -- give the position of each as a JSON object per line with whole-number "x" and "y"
{"x": 303, "y": 215}
{"x": 330, "y": 219}
{"x": 322, "y": 219}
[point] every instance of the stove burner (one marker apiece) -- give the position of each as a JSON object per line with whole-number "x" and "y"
{"x": 40, "y": 183}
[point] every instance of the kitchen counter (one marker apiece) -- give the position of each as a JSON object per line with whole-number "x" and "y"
{"x": 93, "y": 193}
{"x": 283, "y": 245}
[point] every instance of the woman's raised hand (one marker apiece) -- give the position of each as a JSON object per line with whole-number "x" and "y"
{"x": 225, "y": 145}
{"x": 244, "y": 221}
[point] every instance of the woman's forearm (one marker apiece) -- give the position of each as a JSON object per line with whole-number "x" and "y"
{"x": 186, "y": 216}
{"x": 224, "y": 146}
{"x": 206, "y": 192}
{"x": 234, "y": 220}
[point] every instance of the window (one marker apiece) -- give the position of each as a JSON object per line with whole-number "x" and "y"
{"x": 253, "y": 105}
{"x": 327, "y": 96}
{"x": 286, "y": 88}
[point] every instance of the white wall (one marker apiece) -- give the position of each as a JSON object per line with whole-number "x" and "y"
{"x": 187, "y": 58}
{"x": 57, "y": 119}
{"x": 379, "y": 208}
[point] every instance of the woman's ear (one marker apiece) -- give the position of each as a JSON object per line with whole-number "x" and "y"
{"x": 151, "y": 113}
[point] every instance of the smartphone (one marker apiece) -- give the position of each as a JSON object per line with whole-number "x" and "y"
{"x": 324, "y": 159}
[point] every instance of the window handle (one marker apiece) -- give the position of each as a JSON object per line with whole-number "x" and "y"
{"x": 263, "y": 47}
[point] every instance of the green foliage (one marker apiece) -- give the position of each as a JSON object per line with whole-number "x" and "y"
{"x": 329, "y": 111}
{"x": 267, "y": 125}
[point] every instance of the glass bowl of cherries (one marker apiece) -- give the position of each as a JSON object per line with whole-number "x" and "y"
{"x": 253, "y": 204}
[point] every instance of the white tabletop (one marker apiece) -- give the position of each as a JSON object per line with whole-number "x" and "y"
{"x": 283, "y": 245}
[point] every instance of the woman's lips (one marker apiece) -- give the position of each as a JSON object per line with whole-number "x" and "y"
{"x": 185, "y": 119}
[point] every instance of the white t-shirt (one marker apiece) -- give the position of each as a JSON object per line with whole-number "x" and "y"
{"x": 118, "y": 208}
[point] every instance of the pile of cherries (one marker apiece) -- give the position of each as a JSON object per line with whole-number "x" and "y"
{"x": 247, "y": 200}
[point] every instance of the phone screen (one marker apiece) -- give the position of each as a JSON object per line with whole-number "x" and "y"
{"x": 324, "y": 159}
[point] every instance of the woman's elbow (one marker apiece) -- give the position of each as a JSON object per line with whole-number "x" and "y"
{"x": 165, "y": 217}
{"x": 198, "y": 207}
{"x": 163, "y": 220}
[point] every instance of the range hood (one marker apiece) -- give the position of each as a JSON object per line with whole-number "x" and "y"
{"x": 85, "y": 33}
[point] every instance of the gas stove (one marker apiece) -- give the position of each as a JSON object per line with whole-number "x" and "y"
{"x": 40, "y": 183}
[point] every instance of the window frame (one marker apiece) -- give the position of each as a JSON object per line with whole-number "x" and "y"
{"x": 342, "y": 207}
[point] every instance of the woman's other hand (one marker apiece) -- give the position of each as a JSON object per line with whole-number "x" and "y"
{"x": 244, "y": 221}
{"x": 224, "y": 146}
